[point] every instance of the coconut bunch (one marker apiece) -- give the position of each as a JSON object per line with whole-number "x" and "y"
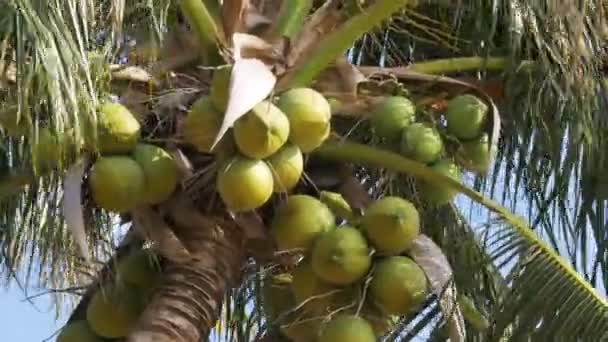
{"x": 460, "y": 143}
{"x": 117, "y": 304}
{"x": 128, "y": 172}
{"x": 263, "y": 153}
{"x": 354, "y": 279}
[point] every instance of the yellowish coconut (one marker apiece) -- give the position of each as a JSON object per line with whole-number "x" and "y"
{"x": 309, "y": 288}
{"x": 160, "y": 171}
{"x": 244, "y": 184}
{"x": 476, "y": 154}
{"x": 347, "y": 328}
{"x": 466, "y": 115}
{"x": 262, "y": 131}
{"x": 118, "y": 130}
{"x": 398, "y": 285}
{"x": 287, "y": 166}
{"x": 113, "y": 311}
{"x": 391, "y": 224}
{"x": 341, "y": 256}
{"x": 202, "y": 124}
{"x": 421, "y": 142}
{"x": 309, "y": 116}
{"x": 299, "y": 221}
{"x": 440, "y": 194}
{"x": 391, "y": 115}
{"x": 220, "y": 90}
{"x": 139, "y": 269}
{"x": 117, "y": 183}
{"x": 78, "y": 331}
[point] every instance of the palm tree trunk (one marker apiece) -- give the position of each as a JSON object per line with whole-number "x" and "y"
{"x": 189, "y": 301}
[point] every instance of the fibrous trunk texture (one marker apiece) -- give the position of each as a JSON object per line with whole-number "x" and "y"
{"x": 189, "y": 301}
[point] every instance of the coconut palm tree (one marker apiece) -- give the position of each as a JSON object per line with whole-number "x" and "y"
{"x": 537, "y": 66}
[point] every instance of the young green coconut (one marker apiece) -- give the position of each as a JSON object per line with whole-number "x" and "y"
{"x": 118, "y": 129}
{"x": 476, "y": 154}
{"x": 391, "y": 224}
{"x": 398, "y": 285}
{"x": 349, "y": 328}
{"x": 341, "y": 256}
{"x": 262, "y": 131}
{"x": 117, "y": 183}
{"x": 421, "y": 142}
{"x": 309, "y": 116}
{"x": 113, "y": 311}
{"x": 287, "y": 166}
{"x": 466, "y": 115}
{"x": 78, "y": 331}
{"x": 202, "y": 124}
{"x": 309, "y": 288}
{"x": 391, "y": 115}
{"x": 160, "y": 172}
{"x": 244, "y": 184}
{"x": 440, "y": 194}
{"x": 220, "y": 87}
{"x": 299, "y": 221}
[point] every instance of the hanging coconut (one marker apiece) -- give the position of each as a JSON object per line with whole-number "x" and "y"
{"x": 391, "y": 224}
{"x": 466, "y": 115}
{"x": 160, "y": 172}
{"x": 77, "y": 331}
{"x": 349, "y": 328}
{"x": 46, "y": 152}
{"x": 118, "y": 130}
{"x": 440, "y": 194}
{"x": 244, "y": 184}
{"x": 341, "y": 256}
{"x": 309, "y": 116}
{"x": 139, "y": 269}
{"x": 287, "y": 166}
{"x": 398, "y": 285}
{"x": 262, "y": 131}
{"x": 202, "y": 124}
{"x": 476, "y": 154}
{"x": 114, "y": 310}
{"x": 391, "y": 115}
{"x": 117, "y": 183}
{"x": 422, "y": 143}
{"x": 220, "y": 87}
{"x": 309, "y": 288}
{"x": 299, "y": 221}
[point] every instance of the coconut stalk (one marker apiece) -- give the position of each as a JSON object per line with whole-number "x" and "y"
{"x": 203, "y": 17}
{"x": 291, "y": 17}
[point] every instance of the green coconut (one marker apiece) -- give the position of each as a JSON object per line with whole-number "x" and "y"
{"x": 262, "y": 131}
{"x": 476, "y": 154}
{"x": 139, "y": 269}
{"x": 341, "y": 256}
{"x": 422, "y": 143}
{"x": 46, "y": 152}
{"x": 438, "y": 193}
{"x": 113, "y": 311}
{"x": 391, "y": 115}
{"x": 466, "y": 115}
{"x": 287, "y": 166}
{"x": 244, "y": 184}
{"x": 220, "y": 87}
{"x": 391, "y": 224}
{"x": 160, "y": 171}
{"x": 117, "y": 183}
{"x": 202, "y": 124}
{"x": 349, "y": 328}
{"x": 118, "y": 129}
{"x": 398, "y": 285}
{"x": 77, "y": 331}
{"x": 309, "y": 116}
{"x": 309, "y": 288}
{"x": 299, "y": 221}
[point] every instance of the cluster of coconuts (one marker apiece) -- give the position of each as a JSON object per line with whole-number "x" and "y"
{"x": 394, "y": 121}
{"x": 270, "y": 140}
{"x": 128, "y": 172}
{"x": 116, "y": 305}
{"x": 354, "y": 279}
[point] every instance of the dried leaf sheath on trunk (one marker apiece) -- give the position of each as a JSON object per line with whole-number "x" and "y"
{"x": 188, "y": 302}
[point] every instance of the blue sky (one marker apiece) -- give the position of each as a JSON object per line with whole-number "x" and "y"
{"x": 23, "y": 322}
